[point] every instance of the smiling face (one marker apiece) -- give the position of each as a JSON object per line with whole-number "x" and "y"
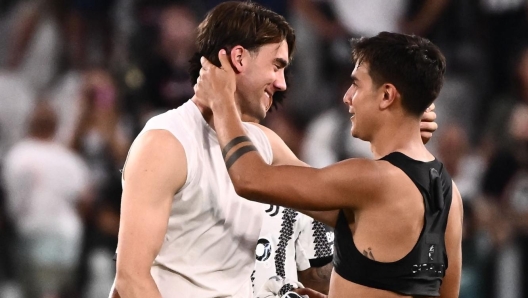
{"x": 363, "y": 100}
{"x": 260, "y": 75}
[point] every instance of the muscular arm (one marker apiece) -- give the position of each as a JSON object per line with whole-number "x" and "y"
{"x": 282, "y": 155}
{"x": 453, "y": 239}
{"x": 156, "y": 169}
{"x": 317, "y": 278}
{"x": 426, "y": 18}
{"x": 331, "y": 188}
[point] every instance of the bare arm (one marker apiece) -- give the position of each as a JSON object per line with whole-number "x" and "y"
{"x": 453, "y": 239}
{"x": 428, "y": 15}
{"x": 25, "y": 26}
{"x": 282, "y": 155}
{"x": 156, "y": 169}
{"x": 325, "y": 27}
{"x": 302, "y": 188}
{"x": 317, "y": 278}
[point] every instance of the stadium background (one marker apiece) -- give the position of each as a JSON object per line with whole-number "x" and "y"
{"x": 106, "y": 66}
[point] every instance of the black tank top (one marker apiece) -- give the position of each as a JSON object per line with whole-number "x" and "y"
{"x": 421, "y": 271}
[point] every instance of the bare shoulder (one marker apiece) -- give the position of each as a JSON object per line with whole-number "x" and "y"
{"x": 157, "y": 154}
{"x": 369, "y": 168}
{"x": 272, "y": 136}
{"x": 282, "y": 154}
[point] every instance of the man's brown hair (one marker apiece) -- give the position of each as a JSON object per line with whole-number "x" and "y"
{"x": 242, "y": 23}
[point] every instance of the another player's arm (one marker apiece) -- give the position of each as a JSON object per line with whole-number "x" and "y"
{"x": 317, "y": 278}
{"x": 156, "y": 169}
{"x": 453, "y": 239}
{"x": 347, "y": 184}
{"x": 282, "y": 155}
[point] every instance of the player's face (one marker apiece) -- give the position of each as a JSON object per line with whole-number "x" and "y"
{"x": 362, "y": 102}
{"x": 263, "y": 76}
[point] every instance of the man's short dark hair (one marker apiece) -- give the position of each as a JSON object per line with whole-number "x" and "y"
{"x": 243, "y": 23}
{"x": 414, "y": 65}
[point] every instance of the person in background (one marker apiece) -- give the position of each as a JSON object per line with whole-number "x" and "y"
{"x": 45, "y": 184}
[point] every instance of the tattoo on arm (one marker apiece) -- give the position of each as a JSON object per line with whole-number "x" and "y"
{"x": 238, "y": 152}
{"x": 233, "y": 143}
{"x": 369, "y": 254}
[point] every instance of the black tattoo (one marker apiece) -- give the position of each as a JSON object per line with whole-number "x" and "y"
{"x": 238, "y": 154}
{"x": 233, "y": 143}
{"x": 369, "y": 254}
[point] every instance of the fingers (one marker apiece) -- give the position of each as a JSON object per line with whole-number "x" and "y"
{"x": 206, "y": 65}
{"x": 431, "y": 108}
{"x": 224, "y": 60}
{"x": 225, "y": 64}
{"x": 429, "y": 116}
{"x": 428, "y": 127}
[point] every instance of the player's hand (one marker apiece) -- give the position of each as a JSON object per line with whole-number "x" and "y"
{"x": 309, "y": 292}
{"x": 216, "y": 85}
{"x": 427, "y": 124}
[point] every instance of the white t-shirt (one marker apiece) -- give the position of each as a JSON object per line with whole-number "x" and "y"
{"x": 368, "y": 18}
{"x": 209, "y": 247}
{"x": 44, "y": 181}
{"x": 289, "y": 242}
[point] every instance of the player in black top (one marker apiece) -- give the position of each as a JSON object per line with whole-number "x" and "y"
{"x": 398, "y": 218}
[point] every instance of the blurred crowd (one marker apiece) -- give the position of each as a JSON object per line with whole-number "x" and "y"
{"x": 79, "y": 79}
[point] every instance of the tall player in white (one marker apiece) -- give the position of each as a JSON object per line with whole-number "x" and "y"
{"x": 184, "y": 232}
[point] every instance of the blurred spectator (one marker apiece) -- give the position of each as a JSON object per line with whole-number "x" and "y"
{"x": 464, "y": 166}
{"x": 89, "y": 21}
{"x": 35, "y": 45}
{"x": 328, "y": 138}
{"x": 506, "y": 27}
{"x": 102, "y": 137}
{"x": 515, "y": 196}
{"x": 45, "y": 181}
{"x": 504, "y": 187}
{"x": 322, "y": 49}
{"x": 476, "y": 261}
{"x": 358, "y": 16}
{"x": 504, "y": 106}
{"x": 166, "y": 80}
{"x": 503, "y": 27}
{"x": 278, "y": 6}
{"x": 422, "y": 16}
{"x": 17, "y": 100}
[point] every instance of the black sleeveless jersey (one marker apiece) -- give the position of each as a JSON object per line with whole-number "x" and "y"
{"x": 421, "y": 271}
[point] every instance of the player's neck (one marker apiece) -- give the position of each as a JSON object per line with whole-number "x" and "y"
{"x": 206, "y": 112}
{"x": 400, "y": 134}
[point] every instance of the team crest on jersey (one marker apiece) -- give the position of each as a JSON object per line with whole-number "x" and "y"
{"x": 273, "y": 210}
{"x": 431, "y": 252}
{"x": 263, "y": 250}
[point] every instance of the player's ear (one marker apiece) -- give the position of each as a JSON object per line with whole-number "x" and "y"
{"x": 389, "y": 96}
{"x": 239, "y": 56}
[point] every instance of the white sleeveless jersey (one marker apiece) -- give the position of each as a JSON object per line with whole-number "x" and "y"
{"x": 209, "y": 247}
{"x": 289, "y": 241}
